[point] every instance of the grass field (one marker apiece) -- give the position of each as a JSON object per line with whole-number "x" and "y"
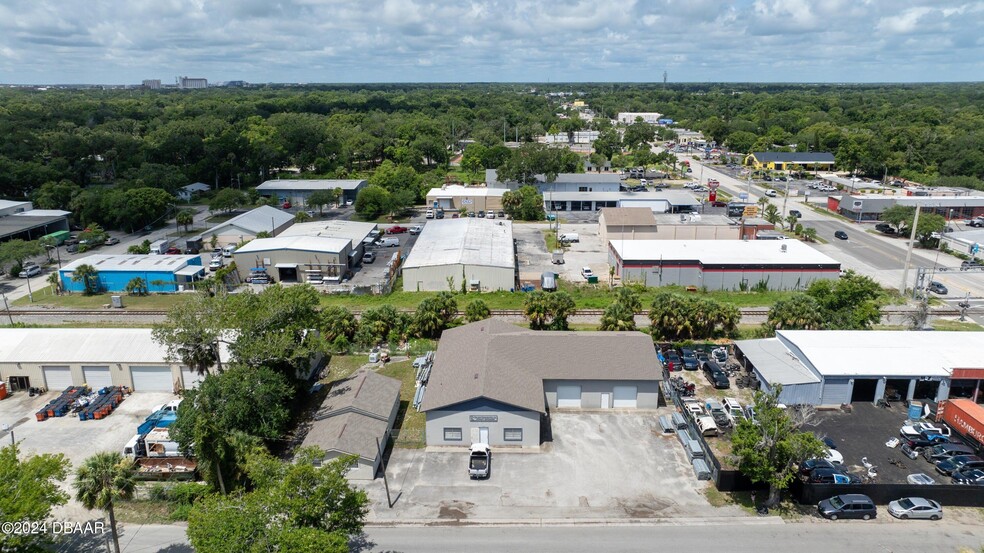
{"x": 45, "y": 297}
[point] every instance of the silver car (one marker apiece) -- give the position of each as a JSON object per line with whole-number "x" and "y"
{"x": 915, "y": 507}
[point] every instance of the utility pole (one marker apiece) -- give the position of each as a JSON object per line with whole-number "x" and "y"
{"x": 908, "y": 252}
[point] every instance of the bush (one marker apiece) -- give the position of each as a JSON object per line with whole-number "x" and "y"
{"x": 180, "y": 512}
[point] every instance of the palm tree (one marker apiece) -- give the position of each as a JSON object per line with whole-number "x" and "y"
{"x": 628, "y": 298}
{"x": 88, "y": 276}
{"x": 809, "y": 234}
{"x": 301, "y": 216}
{"x": 136, "y": 286}
{"x": 536, "y": 309}
{"x": 791, "y": 221}
{"x": 477, "y": 311}
{"x": 102, "y": 479}
{"x": 772, "y": 215}
{"x": 617, "y": 317}
{"x": 54, "y": 279}
{"x": 185, "y": 217}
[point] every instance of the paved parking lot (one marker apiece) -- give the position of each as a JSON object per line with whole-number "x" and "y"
{"x": 68, "y": 435}
{"x": 863, "y": 433}
{"x": 534, "y": 259}
{"x": 599, "y": 465}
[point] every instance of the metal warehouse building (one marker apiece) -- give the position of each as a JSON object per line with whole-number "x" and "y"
{"x": 355, "y": 232}
{"x": 296, "y": 258}
{"x": 472, "y": 198}
{"x": 161, "y": 273}
{"x": 357, "y": 412}
{"x": 834, "y": 367}
{"x": 56, "y": 358}
{"x": 720, "y": 265}
{"x": 298, "y": 191}
{"x": 478, "y": 252}
{"x": 245, "y": 227}
{"x": 493, "y": 382}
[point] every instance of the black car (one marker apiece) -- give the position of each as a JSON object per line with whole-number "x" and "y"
{"x": 926, "y": 439}
{"x": 72, "y": 248}
{"x": 840, "y": 235}
{"x": 969, "y": 476}
{"x": 673, "y": 361}
{"x": 702, "y": 357}
{"x": 481, "y": 214}
{"x": 715, "y": 375}
{"x": 689, "y": 359}
{"x": 959, "y": 462}
{"x": 796, "y": 213}
{"x": 808, "y": 466}
{"x": 832, "y": 476}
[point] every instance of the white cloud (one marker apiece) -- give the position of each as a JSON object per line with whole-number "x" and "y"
{"x": 124, "y": 41}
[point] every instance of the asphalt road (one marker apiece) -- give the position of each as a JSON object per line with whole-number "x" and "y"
{"x": 820, "y": 537}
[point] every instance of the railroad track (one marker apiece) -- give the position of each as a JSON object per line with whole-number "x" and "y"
{"x": 746, "y": 311}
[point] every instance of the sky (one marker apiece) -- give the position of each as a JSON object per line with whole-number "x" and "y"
{"x": 356, "y": 41}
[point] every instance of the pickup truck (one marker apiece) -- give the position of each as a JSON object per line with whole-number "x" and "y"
{"x": 480, "y": 461}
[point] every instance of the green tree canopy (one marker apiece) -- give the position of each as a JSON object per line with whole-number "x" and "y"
{"x": 228, "y": 199}
{"x": 525, "y": 204}
{"x": 477, "y": 310}
{"x": 798, "y": 312}
{"x": 29, "y": 489}
{"x": 676, "y": 317}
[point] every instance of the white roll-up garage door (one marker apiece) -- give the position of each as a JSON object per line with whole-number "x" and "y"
{"x": 190, "y": 378}
{"x": 97, "y": 377}
{"x": 151, "y": 378}
{"x": 568, "y": 396}
{"x": 624, "y": 396}
{"x": 57, "y": 379}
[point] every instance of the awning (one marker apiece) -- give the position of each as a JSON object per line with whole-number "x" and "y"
{"x": 190, "y": 270}
{"x": 286, "y": 265}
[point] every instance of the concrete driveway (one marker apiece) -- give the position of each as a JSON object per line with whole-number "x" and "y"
{"x": 598, "y": 466}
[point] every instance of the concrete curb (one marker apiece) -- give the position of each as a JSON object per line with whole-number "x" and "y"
{"x": 568, "y": 522}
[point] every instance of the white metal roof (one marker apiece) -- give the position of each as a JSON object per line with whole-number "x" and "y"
{"x": 7, "y": 204}
{"x": 132, "y": 262}
{"x": 721, "y": 252}
{"x": 775, "y": 362}
{"x": 82, "y": 346}
{"x": 43, "y": 213}
{"x": 942, "y": 201}
{"x": 354, "y": 231}
{"x": 469, "y": 241}
{"x": 887, "y": 352}
{"x": 263, "y": 218}
{"x": 297, "y": 243}
{"x": 672, "y": 197}
{"x": 456, "y": 190}
{"x": 310, "y": 184}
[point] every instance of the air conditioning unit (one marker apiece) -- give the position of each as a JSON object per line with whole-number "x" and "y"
{"x": 782, "y": 248}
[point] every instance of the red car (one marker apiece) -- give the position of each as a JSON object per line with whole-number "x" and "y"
{"x": 173, "y": 251}
{"x": 286, "y": 205}
{"x": 719, "y": 203}
{"x": 396, "y": 230}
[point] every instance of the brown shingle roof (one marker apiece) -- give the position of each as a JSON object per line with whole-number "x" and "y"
{"x": 502, "y": 362}
{"x": 628, "y": 216}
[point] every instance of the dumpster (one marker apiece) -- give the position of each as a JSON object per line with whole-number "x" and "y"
{"x": 915, "y": 410}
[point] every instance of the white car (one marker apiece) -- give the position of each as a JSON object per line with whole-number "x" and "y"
{"x": 915, "y": 507}
{"x": 586, "y": 272}
{"x": 416, "y": 229}
{"x": 834, "y": 457}
{"x": 915, "y": 429}
{"x": 215, "y": 264}
{"x": 770, "y": 193}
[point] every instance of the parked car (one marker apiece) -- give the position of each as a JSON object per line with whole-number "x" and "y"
{"x": 830, "y": 476}
{"x": 915, "y": 507}
{"x": 796, "y": 213}
{"x": 72, "y": 248}
{"x": 940, "y": 452}
{"x": 926, "y": 439}
{"x": 480, "y": 461}
{"x": 937, "y": 287}
{"x": 30, "y": 271}
{"x": 968, "y": 476}
{"x": 586, "y": 272}
{"x": 808, "y": 466}
{"x": 771, "y": 193}
{"x": 852, "y": 505}
{"x": 673, "y": 361}
{"x": 416, "y": 229}
{"x": 716, "y": 375}
{"x": 369, "y": 257}
{"x": 834, "y": 457}
{"x": 112, "y": 241}
{"x": 719, "y": 203}
{"x": 501, "y": 214}
{"x": 957, "y": 462}
{"x": 689, "y": 359}
{"x": 439, "y": 214}
{"x": 481, "y": 213}
{"x": 429, "y": 214}
{"x": 215, "y": 264}
{"x": 396, "y": 229}
{"x": 916, "y": 429}
{"x": 348, "y": 202}
{"x": 840, "y": 235}
{"x": 971, "y": 264}
{"x": 173, "y": 251}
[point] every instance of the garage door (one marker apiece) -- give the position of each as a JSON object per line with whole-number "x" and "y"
{"x": 190, "y": 378}
{"x": 836, "y": 391}
{"x": 151, "y": 379}
{"x": 97, "y": 377}
{"x": 57, "y": 379}
{"x": 568, "y": 396}
{"x": 624, "y": 396}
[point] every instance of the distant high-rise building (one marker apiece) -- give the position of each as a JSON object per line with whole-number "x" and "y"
{"x": 192, "y": 82}
{"x": 152, "y": 84}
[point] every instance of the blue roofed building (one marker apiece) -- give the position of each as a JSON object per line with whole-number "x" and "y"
{"x": 162, "y": 273}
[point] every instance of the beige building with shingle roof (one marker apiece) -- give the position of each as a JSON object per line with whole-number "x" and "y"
{"x": 492, "y": 382}
{"x": 357, "y": 411}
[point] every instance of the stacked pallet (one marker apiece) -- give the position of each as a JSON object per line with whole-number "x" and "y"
{"x": 60, "y": 406}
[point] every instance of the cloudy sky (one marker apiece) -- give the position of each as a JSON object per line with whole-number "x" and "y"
{"x": 125, "y": 41}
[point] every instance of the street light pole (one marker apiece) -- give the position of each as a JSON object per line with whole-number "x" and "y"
{"x": 7, "y": 307}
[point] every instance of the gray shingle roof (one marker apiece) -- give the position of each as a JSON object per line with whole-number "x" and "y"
{"x": 505, "y": 363}
{"x": 354, "y": 414}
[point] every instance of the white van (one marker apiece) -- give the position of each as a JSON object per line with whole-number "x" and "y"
{"x": 706, "y": 426}
{"x": 568, "y": 237}
{"x": 130, "y": 449}
{"x": 389, "y": 242}
{"x": 228, "y": 250}
{"x": 160, "y": 247}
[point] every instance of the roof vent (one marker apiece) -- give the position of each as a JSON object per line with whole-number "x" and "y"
{"x": 782, "y": 248}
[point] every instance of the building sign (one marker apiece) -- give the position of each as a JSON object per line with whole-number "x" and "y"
{"x": 483, "y": 418}
{"x": 467, "y": 201}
